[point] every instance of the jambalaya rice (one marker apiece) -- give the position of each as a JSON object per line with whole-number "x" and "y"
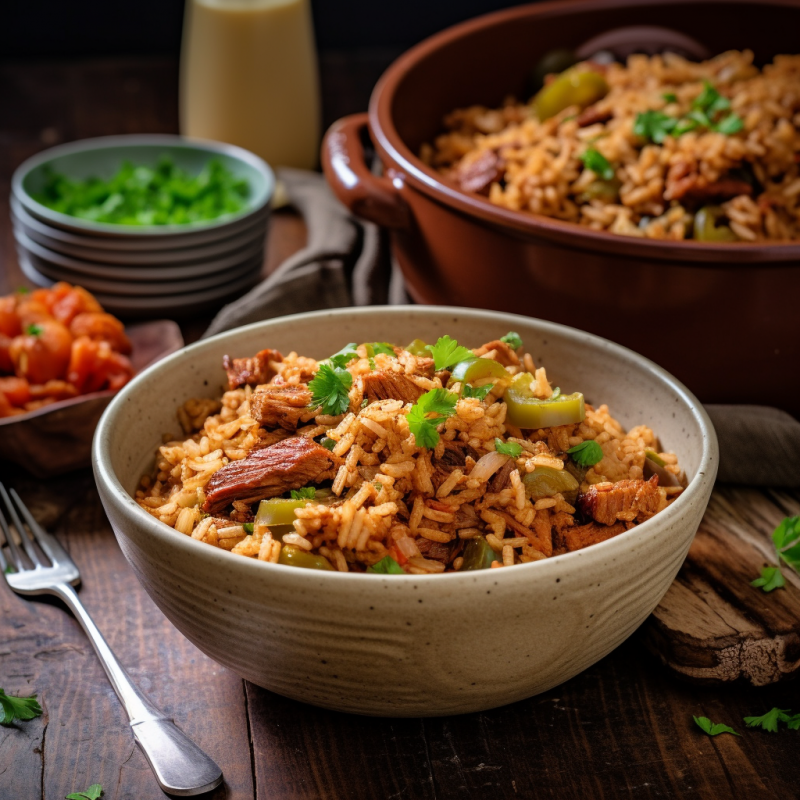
{"x": 457, "y": 504}
{"x": 739, "y": 164}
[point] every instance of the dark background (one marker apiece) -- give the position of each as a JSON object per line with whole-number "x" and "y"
{"x": 36, "y": 28}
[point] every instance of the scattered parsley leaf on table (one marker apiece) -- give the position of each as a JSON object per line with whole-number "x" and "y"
{"x": 587, "y": 453}
{"x": 508, "y": 448}
{"x": 769, "y": 721}
{"x": 512, "y": 339}
{"x": 92, "y": 793}
{"x": 793, "y": 723}
{"x": 329, "y": 389}
{"x": 448, "y": 352}
{"x": 771, "y": 578}
{"x": 786, "y": 538}
{"x": 306, "y": 493}
{"x": 18, "y": 708}
{"x": 713, "y": 728}
{"x": 436, "y": 401}
{"x": 597, "y": 163}
{"x": 387, "y": 566}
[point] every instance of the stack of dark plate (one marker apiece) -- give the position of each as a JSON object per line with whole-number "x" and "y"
{"x": 142, "y": 270}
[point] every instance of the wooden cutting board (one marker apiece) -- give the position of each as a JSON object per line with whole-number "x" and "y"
{"x": 712, "y": 626}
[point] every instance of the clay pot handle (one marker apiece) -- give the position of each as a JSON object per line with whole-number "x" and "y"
{"x": 371, "y": 197}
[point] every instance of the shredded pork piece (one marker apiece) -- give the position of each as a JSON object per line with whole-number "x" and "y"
{"x": 592, "y": 533}
{"x": 250, "y": 371}
{"x": 391, "y": 386}
{"x": 629, "y": 501}
{"x": 280, "y": 406}
{"x": 269, "y": 472}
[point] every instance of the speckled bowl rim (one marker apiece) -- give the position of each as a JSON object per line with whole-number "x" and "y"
{"x": 126, "y": 506}
{"x": 255, "y": 205}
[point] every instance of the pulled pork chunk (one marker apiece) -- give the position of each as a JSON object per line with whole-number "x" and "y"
{"x": 280, "y": 405}
{"x": 454, "y": 457}
{"x": 504, "y": 354}
{"x": 391, "y": 386}
{"x": 269, "y": 472}
{"x": 593, "y": 533}
{"x": 628, "y": 501}
{"x": 477, "y": 174}
{"x": 250, "y": 371}
{"x": 684, "y": 182}
{"x": 502, "y": 477}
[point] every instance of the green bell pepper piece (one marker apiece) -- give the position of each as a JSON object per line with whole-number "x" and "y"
{"x": 293, "y": 556}
{"x": 478, "y": 554}
{"x": 527, "y": 411}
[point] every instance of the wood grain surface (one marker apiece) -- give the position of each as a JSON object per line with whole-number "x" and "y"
{"x": 622, "y": 729}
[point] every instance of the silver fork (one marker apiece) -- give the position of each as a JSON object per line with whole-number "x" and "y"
{"x": 180, "y": 766}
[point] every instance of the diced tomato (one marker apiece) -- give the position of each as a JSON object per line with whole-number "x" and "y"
{"x": 101, "y": 327}
{"x": 68, "y": 304}
{"x": 9, "y": 319}
{"x": 16, "y": 390}
{"x": 43, "y": 354}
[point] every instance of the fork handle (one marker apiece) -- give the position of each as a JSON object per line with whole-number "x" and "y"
{"x": 180, "y": 766}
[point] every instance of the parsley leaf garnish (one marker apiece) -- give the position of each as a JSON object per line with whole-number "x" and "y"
{"x": 508, "y": 448}
{"x": 329, "y": 389}
{"x": 18, "y": 708}
{"x": 448, "y": 352}
{"x": 306, "y": 493}
{"x": 512, "y": 339}
{"x": 34, "y": 330}
{"x": 436, "y": 401}
{"x": 476, "y": 391}
{"x": 586, "y": 454}
{"x": 328, "y": 443}
{"x": 671, "y": 97}
{"x": 598, "y": 163}
{"x": 374, "y": 348}
{"x": 730, "y": 125}
{"x": 771, "y": 578}
{"x": 769, "y": 721}
{"x": 23, "y": 290}
{"x": 92, "y": 793}
{"x": 713, "y": 728}
{"x": 387, "y": 566}
{"x": 710, "y": 100}
{"x": 344, "y": 356}
{"x": 248, "y": 527}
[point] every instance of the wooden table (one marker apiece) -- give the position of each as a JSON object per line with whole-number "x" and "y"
{"x": 622, "y": 729}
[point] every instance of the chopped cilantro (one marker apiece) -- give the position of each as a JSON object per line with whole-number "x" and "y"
{"x": 23, "y": 290}
{"x": 654, "y": 125}
{"x": 248, "y": 527}
{"x": 731, "y": 124}
{"x": 713, "y": 728}
{"x": 448, "y": 352}
{"x": 508, "y": 448}
{"x": 9, "y": 570}
{"x": 372, "y": 365}
{"x": 769, "y": 721}
{"x": 476, "y": 391}
{"x": 329, "y": 389}
{"x": 328, "y": 443}
{"x": 771, "y": 578}
{"x": 512, "y": 339}
{"x": 306, "y": 493}
{"x": 598, "y": 163}
{"x": 671, "y": 97}
{"x": 387, "y": 566}
{"x": 92, "y": 793}
{"x": 18, "y": 708}
{"x": 710, "y": 100}
{"x": 436, "y": 401}
{"x": 586, "y": 454}
{"x": 34, "y": 330}
{"x": 344, "y": 356}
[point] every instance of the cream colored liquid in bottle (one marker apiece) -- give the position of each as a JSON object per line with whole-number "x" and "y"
{"x": 249, "y": 77}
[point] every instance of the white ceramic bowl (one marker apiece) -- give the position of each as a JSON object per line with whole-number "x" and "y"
{"x": 406, "y": 645}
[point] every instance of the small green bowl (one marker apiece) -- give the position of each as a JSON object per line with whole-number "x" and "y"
{"x": 102, "y": 158}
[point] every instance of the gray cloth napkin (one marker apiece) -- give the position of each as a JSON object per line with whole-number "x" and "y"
{"x": 347, "y": 263}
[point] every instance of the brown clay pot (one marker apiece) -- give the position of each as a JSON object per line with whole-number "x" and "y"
{"x": 723, "y": 318}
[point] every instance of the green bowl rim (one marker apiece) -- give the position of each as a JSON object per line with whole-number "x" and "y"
{"x": 44, "y": 213}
